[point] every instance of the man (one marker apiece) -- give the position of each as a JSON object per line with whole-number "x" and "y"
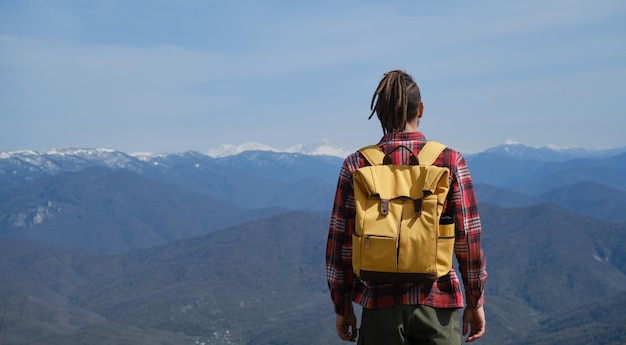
{"x": 415, "y": 313}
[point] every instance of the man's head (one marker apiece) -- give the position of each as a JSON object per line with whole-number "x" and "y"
{"x": 396, "y": 101}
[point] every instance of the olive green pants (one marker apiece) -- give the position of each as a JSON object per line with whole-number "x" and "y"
{"x": 410, "y": 325}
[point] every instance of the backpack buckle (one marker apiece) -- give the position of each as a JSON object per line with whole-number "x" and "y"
{"x": 384, "y": 207}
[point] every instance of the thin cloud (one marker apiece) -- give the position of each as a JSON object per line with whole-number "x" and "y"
{"x": 257, "y": 73}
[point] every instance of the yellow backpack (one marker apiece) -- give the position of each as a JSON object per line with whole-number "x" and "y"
{"x": 400, "y": 234}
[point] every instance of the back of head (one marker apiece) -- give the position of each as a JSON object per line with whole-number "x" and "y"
{"x": 396, "y": 101}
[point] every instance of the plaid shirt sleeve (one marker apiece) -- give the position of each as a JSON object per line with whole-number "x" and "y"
{"x": 462, "y": 202}
{"x": 339, "y": 246}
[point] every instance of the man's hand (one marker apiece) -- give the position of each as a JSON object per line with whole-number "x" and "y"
{"x": 474, "y": 321}
{"x": 346, "y": 327}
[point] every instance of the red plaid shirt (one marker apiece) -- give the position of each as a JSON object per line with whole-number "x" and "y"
{"x": 445, "y": 292}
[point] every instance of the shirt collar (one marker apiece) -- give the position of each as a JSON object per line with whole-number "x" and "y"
{"x": 404, "y": 136}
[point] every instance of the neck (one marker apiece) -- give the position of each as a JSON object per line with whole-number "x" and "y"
{"x": 411, "y": 126}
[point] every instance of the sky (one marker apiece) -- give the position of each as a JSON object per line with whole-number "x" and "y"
{"x": 167, "y": 76}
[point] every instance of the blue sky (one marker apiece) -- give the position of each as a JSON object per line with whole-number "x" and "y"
{"x": 179, "y": 75}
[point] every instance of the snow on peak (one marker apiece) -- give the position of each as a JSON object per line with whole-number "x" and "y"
{"x": 9, "y": 154}
{"x": 324, "y": 149}
{"x": 148, "y": 156}
{"x": 231, "y": 150}
{"x": 315, "y": 149}
{"x": 58, "y": 152}
{"x": 554, "y": 147}
{"x": 72, "y": 151}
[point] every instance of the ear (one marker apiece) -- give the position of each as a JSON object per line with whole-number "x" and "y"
{"x": 420, "y": 110}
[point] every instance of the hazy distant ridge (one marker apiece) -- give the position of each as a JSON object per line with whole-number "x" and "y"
{"x": 509, "y": 149}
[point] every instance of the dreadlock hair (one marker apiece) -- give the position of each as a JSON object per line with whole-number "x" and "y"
{"x": 396, "y": 101}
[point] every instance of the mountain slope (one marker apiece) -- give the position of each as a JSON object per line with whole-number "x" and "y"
{"x": 224, "y": 280}
{"x": 546, "y": 242}
{"x": 543, "y": 260}
{"x": 502, "y": 197}
{"x": 221, "y": 283}
{"x": 264, "y": 281}
{"x": 532, "y": 178}
{"x": 250, "y": 187}
{"x": 107, "y": 211}
{"x": 601, "y": 322}
{"x": 589, "y": 198}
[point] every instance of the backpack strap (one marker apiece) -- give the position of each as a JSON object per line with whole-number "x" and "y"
{"x": 373, "y": 154}
{"x": 429, "y": 152}
{"x": 427, "y": 155}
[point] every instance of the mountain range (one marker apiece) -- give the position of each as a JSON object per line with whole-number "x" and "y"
{"x": 100, "y": 247}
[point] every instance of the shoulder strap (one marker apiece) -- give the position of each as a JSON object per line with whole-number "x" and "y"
{"x": 427, "y": 155}
{"x": 373, "y": 154}
{"x": 429, "y": 152}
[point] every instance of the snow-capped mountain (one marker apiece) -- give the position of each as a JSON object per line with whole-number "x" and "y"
{"x": 53, "y": 161}
{"x": 116, "y": 159}
{"x": 323, "y": 149}
{"x": 28, "y": 164}
{"x": 508, "y": 149}
{"x": 549, "y": 153}
{"x": 17, "y": 167}
{"x": 57, "y": 160}
{"x": 231, "y": 150}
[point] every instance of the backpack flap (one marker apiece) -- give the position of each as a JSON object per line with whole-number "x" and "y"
{"x": 397, "y": 190}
